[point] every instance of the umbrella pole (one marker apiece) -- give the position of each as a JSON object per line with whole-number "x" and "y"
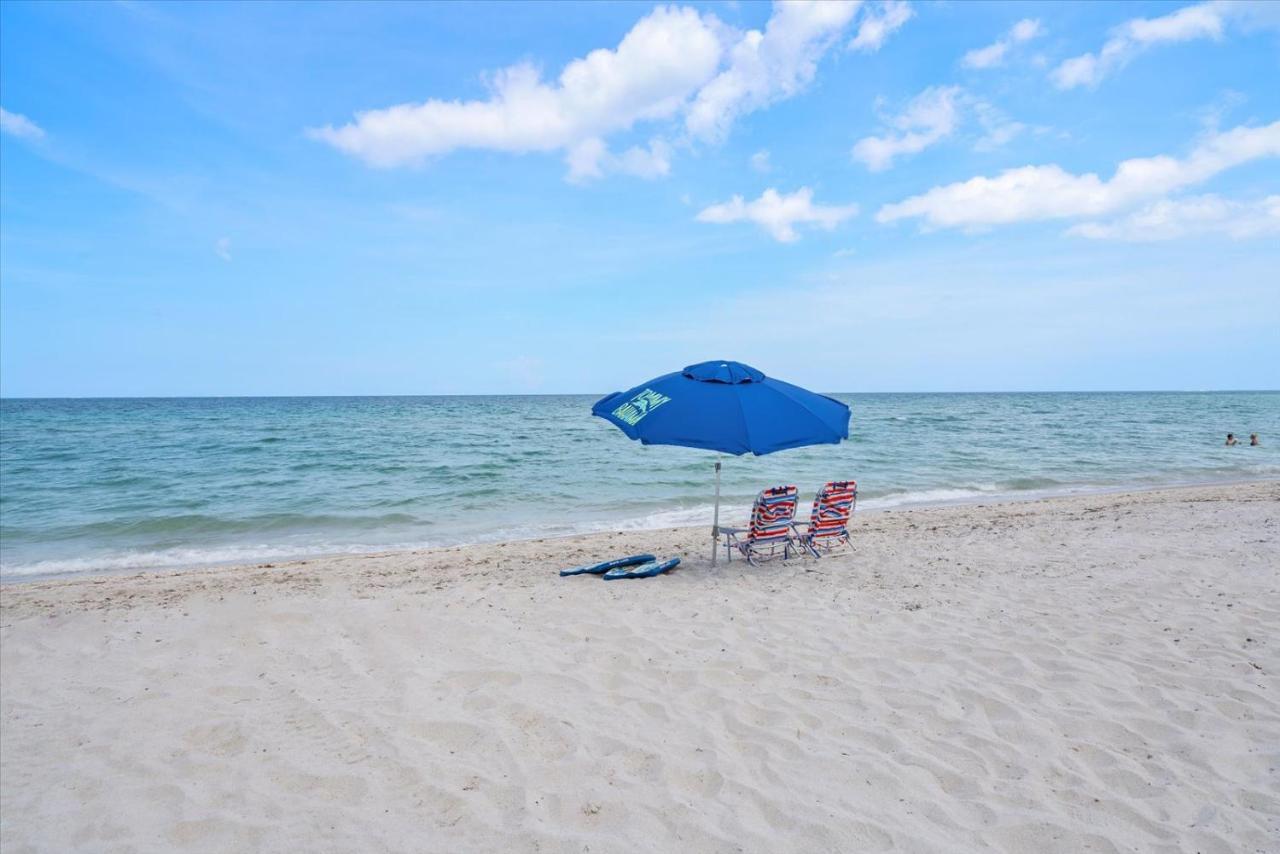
{"x": 715, "y": 524}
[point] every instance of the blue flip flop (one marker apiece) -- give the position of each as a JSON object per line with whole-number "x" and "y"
{"x": 644, "y": 570}
{"x": 601, "y": 568}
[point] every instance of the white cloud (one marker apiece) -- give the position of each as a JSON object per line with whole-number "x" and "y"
{"x": 760, "y": 161}
{"x": 998, "y": 129}
{"x": 779, "y": 214}
{"x": 1201, "y": 21}
{"x": 1026, "y": 30}
{"x": 1050, "y": 192}
{"x": 986, "y": 57}
{"x": 664, "y": 59}
{"x": 223, "y": 248}
{"x": 876, "y": 27}
{"x": 591, "y": 158}
{"x": 999, "y": 134}
{"x": 994, "y": 53}
{"x": 1212, "y": 114}
{"x": 19, "y": 125}
{"x": 1195, "y": 216}
{"x": 931, "y": 116}
{"x": 674, "y": 65}
{"x": 765, "y": 67}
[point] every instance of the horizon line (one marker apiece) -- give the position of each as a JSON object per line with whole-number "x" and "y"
{"x": 591, "y": 394}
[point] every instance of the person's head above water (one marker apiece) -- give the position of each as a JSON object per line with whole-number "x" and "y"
{"x": 1253, "y": 438}
{"x": 1231, "y": 438}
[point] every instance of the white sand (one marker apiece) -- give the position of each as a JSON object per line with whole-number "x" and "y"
{"x": 1084, "y": 674}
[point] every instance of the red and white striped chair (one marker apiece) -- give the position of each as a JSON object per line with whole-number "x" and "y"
{"x": 829, "y": 521}
{"x": 771, "y": 528}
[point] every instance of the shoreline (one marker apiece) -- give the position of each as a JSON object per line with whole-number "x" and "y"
{"x": 1090, "y": 672}
{"x": 978, "y": 500}
{"x": 693, "y": 541}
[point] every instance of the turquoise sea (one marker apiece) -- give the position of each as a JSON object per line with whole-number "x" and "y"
{"x": 100, "y": 484}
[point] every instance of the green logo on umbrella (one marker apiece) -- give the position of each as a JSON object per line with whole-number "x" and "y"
{"x": 639, "y": 406}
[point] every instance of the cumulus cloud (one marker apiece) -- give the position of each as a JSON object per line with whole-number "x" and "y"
{"x": 1050, "y": 192}
{"x": 675, "y": 66}
{"x": 665, "y": 58}
{"x": 881, "y": 23}
{"x": 1201, "y": 21}
{"x": 19, "y": 125}
{"x": 1195, "y": 216}
{"x": 994, "y": 54}
{"x": 928, "y": 118}
{"x": 591, "y": 158}
{"x": 778, "y": 214}
{"x": 764, "y": 67}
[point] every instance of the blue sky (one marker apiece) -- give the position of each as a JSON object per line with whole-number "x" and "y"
{"x": 412, "y": 199}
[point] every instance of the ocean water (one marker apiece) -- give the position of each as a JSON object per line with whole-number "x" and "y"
{"x": 88, "y": 485}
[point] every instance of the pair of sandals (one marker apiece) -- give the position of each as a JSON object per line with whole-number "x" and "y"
{"x": 634, "y": 566}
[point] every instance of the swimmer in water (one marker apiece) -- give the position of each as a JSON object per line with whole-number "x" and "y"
{"x": 1231, "y": 440}
{"x": 1253, "y": 440}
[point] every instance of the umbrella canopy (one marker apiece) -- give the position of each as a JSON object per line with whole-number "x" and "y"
{"x": 725, "y": 406}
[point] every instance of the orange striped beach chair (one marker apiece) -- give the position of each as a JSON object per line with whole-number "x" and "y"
{"x": 771, "y": 528}
{"x": 829, "y": 520}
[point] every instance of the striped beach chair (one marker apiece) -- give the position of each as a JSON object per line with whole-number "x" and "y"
{"x": 828, "y": 523}
{"x": 771, "y": 528}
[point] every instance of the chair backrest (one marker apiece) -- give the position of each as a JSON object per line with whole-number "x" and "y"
{"x": 772, "y": 514}
{"x": 832, "y": 507}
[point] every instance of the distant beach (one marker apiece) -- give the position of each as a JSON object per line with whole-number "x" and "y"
{"x": 1082, "y": 673}
{"x": 120, "y": 484}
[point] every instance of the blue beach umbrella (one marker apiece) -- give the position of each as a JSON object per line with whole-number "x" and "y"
{"x": 728, "y": 407}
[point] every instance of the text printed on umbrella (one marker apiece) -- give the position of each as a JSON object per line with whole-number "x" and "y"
{"x": 639, "y": 406}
